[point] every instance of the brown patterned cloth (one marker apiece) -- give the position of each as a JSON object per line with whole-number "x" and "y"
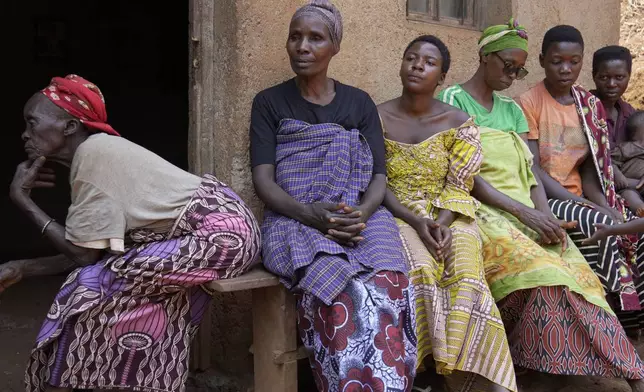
{"x": 629, "y": 158}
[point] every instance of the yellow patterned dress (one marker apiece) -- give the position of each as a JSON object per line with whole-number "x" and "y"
{"x": 458, "y": 323}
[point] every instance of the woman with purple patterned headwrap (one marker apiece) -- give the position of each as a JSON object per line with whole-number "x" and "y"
{"x": 317, "y": 153}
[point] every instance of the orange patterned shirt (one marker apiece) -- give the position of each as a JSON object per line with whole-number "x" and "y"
{"x": 563, "y": 145}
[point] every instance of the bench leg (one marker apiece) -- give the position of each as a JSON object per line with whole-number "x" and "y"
{"x": 274, "y": 340}
{"x": 202, "y": 343}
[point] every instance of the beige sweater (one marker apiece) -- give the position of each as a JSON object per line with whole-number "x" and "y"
{"x": 117, "y": 186}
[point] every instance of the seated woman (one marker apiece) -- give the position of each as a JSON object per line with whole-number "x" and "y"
{"x": 534, "y": 271}
{"x": 433, "y": 153}
{"x": 569, "y": 140}
{"x": 628, "y": 160}
{"x": 318, "y": 164}
{"x": 612, "y": 67}
{"x": 146, "y": 236}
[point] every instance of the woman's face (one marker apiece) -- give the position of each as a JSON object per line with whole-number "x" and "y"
{"x": 503, "y": 67}
{"x": 562, "y": 63}
{"x": 44, "y": 133}
{"x": 421, "y": 69}
{"x": 612, "y": 79}
{"x": 309, "y": 46}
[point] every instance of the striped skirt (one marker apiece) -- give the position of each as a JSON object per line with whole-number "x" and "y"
{"x": 458, "y": 324}
{"x": 608, "y": 260}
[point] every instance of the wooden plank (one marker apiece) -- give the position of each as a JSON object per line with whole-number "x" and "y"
{"x": 480, "y": 17}
{"x": 254, "y": 279}
{"x": 291, "y": 356}
{"x": 274, "y": 330}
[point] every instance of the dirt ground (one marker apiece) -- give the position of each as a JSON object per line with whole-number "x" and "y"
{"x": 22, "y": 309}
{"x": 632, "y": 36}
{"x": 19, "y": 325}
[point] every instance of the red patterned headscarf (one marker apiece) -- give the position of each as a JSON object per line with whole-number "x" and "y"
{"x": 81, "y": 99}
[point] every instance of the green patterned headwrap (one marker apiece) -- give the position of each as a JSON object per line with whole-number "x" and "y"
{"x": 500, "y": 37}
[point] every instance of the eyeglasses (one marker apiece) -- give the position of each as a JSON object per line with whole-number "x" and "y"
{"x": 519, "y": 72}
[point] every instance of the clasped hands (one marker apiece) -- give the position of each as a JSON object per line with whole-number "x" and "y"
{"x": 338, "y": 222}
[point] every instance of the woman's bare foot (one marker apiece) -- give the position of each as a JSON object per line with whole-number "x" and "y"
{"x": 636, "y": 385}
{"x": 10, "y": 274}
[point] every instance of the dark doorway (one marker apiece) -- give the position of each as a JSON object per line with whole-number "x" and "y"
{"x": 135, "y": 51}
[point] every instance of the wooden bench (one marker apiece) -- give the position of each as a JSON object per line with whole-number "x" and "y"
{"x": 275, "y": 349}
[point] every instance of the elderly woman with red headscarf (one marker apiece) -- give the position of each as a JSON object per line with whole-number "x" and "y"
{"x": 145, "y": 236}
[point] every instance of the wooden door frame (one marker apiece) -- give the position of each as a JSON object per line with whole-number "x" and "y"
{"x": 201, "y": 131}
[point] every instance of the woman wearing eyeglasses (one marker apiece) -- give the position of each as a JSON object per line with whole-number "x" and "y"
{"x": 570, "y": 141}
{"x": 549, "y": 298}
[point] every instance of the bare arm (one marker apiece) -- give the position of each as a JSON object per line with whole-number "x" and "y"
{"x": 446, "y": 217}
{"x": 398, "y": 210}
{"x": 13, "y": 271}
{"x": 275, "y": 198}
{"x": 621, "y": 182}
{"x": 633, "y": 227}
{"x": 374, "y": 196}
{"x": 552, "y": 187}
{"x": 44, "y": 266}
{"x": 603, "y": 231}
{"x": 591, "y": 185}
{"x": 538, "y": 192}
{"x": 543, "y": 223}
{"x": 427, "y": 229}
{"x": 56, "y": 233}
{"x": 29, "y": 175}
{"x": 487, "y": 194}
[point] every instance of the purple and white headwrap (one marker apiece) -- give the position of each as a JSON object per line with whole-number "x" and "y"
{"x": 328, "y": 13}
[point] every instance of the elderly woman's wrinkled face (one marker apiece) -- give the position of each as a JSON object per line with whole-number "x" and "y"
{"x": 309, "y": 46}
{"x": 421, "y": 69}
{"x": 45, "y": 124}
{"x": 562, "y": 64}
{"x": 503, "y": 67}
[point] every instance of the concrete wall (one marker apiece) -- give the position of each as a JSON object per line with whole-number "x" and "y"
{"x": 598, "y": 21}
{"x": 250, "y": 37}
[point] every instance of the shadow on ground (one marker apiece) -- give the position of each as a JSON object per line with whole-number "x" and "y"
{"x": 23, "y": 307}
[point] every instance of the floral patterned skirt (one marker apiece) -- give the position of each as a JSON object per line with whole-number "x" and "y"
{"x": 365, "y": 340}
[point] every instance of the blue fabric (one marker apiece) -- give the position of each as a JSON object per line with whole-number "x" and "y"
{"x": 326, "y": 163}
